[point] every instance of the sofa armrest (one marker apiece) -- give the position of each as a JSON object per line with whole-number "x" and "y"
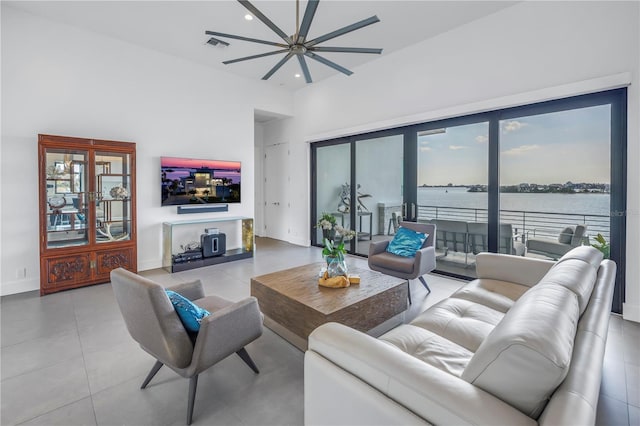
{"x": 432, "y": 394}
{"x": 525, "y": 271}
{"x": 191, "y": 290}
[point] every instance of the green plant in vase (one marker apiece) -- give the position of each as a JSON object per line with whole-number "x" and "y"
{"x": 602, "y": 245}
{"x": 334, "y": 251}
{"x": 327, "y": 224}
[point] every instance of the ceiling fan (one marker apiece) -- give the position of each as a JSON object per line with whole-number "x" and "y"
{"x": 297, "y": 44}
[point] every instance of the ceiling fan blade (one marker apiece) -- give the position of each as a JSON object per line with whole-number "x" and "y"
{"x": 328, "y": 63}
{"x": 305, "y": 68}
{"x": 347, "y": 49}
{"x": 253, "y": 40}
{"x": 344, "y": 30}
{"x": 251, "y": 8}
{"x": 278, "y": 65}
{"x": 309, "y": 12}
{"x": 246, "y": 58}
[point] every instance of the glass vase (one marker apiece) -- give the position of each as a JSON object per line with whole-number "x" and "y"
{"x": 336, "y": 266}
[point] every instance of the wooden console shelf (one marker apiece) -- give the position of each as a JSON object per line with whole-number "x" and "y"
{"x": 231, "y": 254}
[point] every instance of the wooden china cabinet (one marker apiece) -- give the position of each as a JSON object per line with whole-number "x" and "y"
{"x": 87, "y": 210}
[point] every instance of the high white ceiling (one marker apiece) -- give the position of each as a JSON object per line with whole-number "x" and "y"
{"x": 178, "y": 28}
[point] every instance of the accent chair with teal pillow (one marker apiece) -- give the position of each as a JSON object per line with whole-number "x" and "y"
{"x": 190, "y": 314}
{"x": 406, "y": 242}
{"x": 151, "y": 321}
{"x": 410, "y": 255}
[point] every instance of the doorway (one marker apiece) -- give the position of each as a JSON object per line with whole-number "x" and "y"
{"x": 276, "y": 191}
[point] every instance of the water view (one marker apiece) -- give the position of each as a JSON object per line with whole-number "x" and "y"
{"x": 578, "y": 203}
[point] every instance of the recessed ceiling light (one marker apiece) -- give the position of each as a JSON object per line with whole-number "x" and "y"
{"x": 297, "y": 75}
{"x": 248, "y": 17}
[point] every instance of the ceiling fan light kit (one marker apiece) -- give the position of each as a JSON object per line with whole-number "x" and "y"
{"x": 297, "y": 44}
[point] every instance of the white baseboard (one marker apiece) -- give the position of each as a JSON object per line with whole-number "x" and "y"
{"x": 631, "y": 312}
{"x": 147, "y": 265}
{"x": 300, "y": 242}
{"x": 19, "y": 286}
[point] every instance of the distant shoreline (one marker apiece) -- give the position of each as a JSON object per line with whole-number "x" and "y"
{"x": 524, "y": 188}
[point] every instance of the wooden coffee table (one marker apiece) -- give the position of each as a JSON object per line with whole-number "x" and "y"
{"x": 294, "y": 304}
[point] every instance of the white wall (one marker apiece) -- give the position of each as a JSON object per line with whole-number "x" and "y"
{"x": 61, "y": 80}
{"x": 258, "y": 145}
{"x": 529, "y": 52}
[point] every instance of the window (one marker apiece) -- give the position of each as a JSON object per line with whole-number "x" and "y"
{"x": 491, "y": 181}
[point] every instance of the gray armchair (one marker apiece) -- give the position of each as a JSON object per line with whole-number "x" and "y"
{"x": 153, "y": 322}
{"x": 408, "y": 268}
{"x": 569, "y": 237}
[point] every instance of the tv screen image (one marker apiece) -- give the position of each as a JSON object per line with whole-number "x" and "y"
{"x": 196, "y": 181}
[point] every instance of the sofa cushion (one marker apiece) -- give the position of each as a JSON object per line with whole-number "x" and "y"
{"x": 463, "y": 322}
{"x": 429, "y": 347}
{"x": 576, "y": 271}
{"x": 495, "y": 294}
{"x": 587, "y": 254}
{"x": 527, "y": 355}
{"x": 565, "y": 235}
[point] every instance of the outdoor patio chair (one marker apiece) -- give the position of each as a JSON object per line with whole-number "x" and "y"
{"x": 569, "y": 237}
{"x": 478, "y": 239}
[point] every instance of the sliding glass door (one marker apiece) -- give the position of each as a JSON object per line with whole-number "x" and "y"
{"x": 452, "y": 184}
{"x": 333, "y": 172}
{"x": 517, "y": 181}
{"x": 562, "y": 177}
{"x": 379, "y": 189}
{"x": 555, "y": 179}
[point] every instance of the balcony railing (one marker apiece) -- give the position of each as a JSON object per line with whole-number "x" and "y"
{"x": 527, "y": 223}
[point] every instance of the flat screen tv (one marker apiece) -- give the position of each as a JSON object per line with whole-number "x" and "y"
{"x": 194, "y": 181}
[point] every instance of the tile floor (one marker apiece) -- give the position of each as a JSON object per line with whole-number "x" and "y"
{"x": 67, "y": 359}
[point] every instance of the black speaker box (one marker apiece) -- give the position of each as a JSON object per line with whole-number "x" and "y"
{"x": 213, "y": 244}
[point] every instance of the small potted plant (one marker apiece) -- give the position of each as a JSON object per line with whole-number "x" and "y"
{"x": 602, "y": 245}
{"x": 327, "y": 224}
{"x": 334, "y": 251}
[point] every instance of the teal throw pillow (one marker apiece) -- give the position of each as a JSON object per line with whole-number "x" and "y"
{"x": 406, "y": 242}
{"x": 189, "y": 313}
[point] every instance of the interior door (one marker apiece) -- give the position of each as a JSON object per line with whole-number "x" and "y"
{"x": 276, "y": 190}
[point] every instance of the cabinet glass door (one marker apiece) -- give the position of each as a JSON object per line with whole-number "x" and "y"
{"x": 66, "y": 209}
{"x": 112, "y": 196}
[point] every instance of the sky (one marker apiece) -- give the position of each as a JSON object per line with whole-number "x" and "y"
{"x": 549, "y": 148}
{"x": 181, "y": 167}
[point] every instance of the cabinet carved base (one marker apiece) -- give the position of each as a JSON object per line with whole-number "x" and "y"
{"x": 64, "y": 271}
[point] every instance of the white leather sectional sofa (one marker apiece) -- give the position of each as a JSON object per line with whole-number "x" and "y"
{"x": 521, "y": 345}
